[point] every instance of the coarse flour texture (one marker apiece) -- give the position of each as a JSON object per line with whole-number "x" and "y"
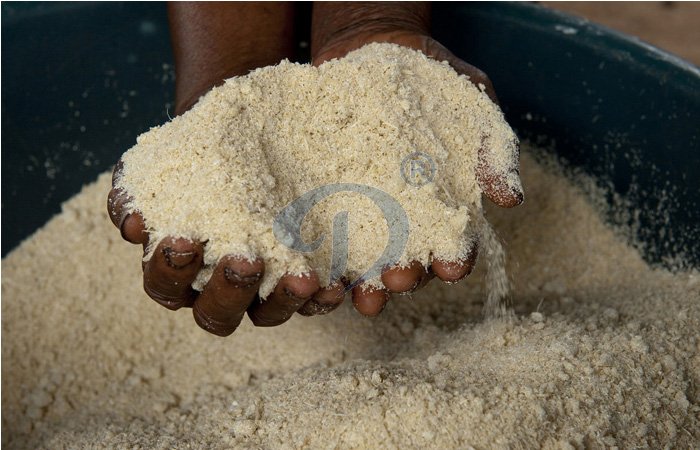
{"x": 603, "y": 350}
{"x": 222, "y": 172}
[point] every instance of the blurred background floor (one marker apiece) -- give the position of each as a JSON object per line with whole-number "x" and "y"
{"x": 672, "y": 26}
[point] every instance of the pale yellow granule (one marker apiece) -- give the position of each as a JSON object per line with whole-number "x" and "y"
{"x": 223, "y": 171}
{"x": 604, "y": 351}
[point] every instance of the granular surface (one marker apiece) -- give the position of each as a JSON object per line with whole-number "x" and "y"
{"x": 223, "y": 172}
{"x": 602, "y": 351}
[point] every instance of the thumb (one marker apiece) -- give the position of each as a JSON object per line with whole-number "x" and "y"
{"x": 477, "y": 77}
{"x": 498, "y": 171}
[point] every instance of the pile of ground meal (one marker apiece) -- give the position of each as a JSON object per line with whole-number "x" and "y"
{"x": 603, "y": 351}
{"x": 223, "y": 172}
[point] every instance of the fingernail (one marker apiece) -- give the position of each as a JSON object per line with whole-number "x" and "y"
{"x": 313, "y": 308}
{"x": 240, "y": 281}
{"x": 122, "y": 229}
{"x": 517, "y": 186}
{"x": 520, "y": 197}
{"x": 178, "y": 260}
{"x": 121, "y": 225}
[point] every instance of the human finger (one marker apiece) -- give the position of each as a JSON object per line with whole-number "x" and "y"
{"x": 168, "y": 275}
{"x": 325, "y": 300}
{"x": 232, "y": 287}
{"x": 404, "y": 279}
{"x": 131, "y": 224}
{"x": 478, "y": 77}
{"x": 498, "y": 177}
{"x": 498, "y": 181}
{"x": 454, "y": 271}
{"x": 369, "y": 301}
{"x": 290, "y": 294}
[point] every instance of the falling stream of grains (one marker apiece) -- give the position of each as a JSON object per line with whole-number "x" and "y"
{"x": 498, "y": 284}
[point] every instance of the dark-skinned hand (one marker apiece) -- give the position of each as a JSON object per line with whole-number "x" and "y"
{"x": 232, "y": 289}
{"x": 339, "y": 28}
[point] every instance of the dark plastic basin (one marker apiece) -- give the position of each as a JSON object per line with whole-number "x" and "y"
{"x": 82, "y": 80}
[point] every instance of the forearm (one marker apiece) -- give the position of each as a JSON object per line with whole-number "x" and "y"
{"x": 342, "y": 21}
{"x": 215, "y": 41}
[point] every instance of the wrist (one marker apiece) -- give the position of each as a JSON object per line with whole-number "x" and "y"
{"x": 338, "y": 26}
{"x": 193, "y": 81}
{"x": 216, "y": 41}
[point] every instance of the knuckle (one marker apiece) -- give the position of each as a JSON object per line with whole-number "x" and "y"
{"x": 211, "y": 325}
{"x": 264, "y": 321}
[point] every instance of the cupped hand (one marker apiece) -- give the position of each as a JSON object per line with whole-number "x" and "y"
{"x": 233, "y": 287}
{"x": 492, "y": 180}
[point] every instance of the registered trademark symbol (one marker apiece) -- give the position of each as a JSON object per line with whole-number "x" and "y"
{"x": 418, "y": 169}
